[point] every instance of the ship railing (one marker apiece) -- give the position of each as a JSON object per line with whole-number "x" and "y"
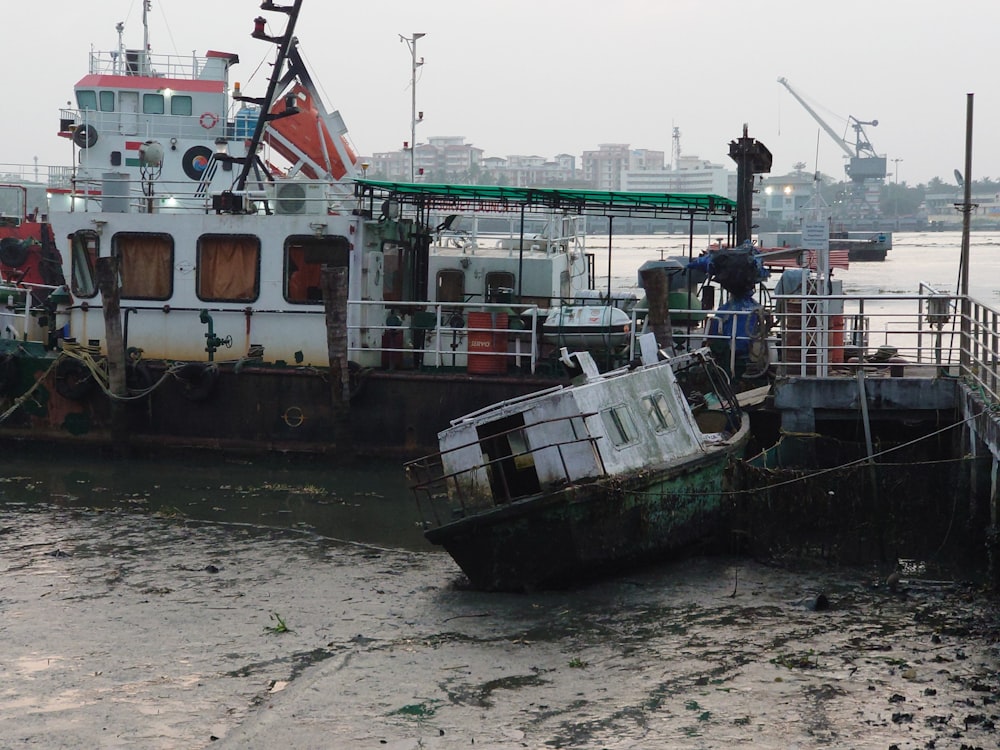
{"x": 916, "y": 335}
{"x": 144, "y": 63}
{"x": 928, "y": 334}
{"x": 207, "y": 127}
{"x": 721, "y": 331}
{"x": 34, "y": 176}
{"x": 125, "y": 194}
{"x": 444, "y": 496}
{"x": 19, "y": 307}
{"x": 424, "y": 335}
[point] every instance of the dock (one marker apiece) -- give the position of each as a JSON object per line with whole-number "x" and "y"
{"x": 899, "y": 370}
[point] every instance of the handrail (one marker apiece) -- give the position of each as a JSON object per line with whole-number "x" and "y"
{"x": 428, "y": 482}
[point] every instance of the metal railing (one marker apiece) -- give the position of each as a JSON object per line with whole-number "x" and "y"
{"x": 433, "y": 487}
{"x": 440, "y": 335}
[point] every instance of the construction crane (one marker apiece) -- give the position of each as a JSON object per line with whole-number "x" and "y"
{"x": 864, "y": 162}
{"x": 864, "y": 167}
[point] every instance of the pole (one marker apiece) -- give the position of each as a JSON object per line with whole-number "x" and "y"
{"x": 411, "y": 42}
{"x": 966, "y": 327}
{"x": 333, "y": 280}
{"x": 611, "y": 224}
{"x": 107, "y": 280}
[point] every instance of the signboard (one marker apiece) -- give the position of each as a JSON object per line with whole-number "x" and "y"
{"x": 816, "y": 235}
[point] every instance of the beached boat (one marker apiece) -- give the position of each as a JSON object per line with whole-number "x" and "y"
{"x": 619, "y": 467}
{"x": 209, "y": 250}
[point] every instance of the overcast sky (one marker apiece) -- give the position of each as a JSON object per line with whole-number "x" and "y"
{"x": 551, "y": 76}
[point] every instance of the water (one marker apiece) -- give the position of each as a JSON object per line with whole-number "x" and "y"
{"x": 930, "y": 257}
{"x": 365, "y": 502}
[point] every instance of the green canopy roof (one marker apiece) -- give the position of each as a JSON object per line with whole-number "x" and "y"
{"x": 495, "y": 198}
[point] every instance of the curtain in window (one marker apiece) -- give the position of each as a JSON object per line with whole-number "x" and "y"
{"x": 146, "y": 266}
{"x": 228, "y": 268}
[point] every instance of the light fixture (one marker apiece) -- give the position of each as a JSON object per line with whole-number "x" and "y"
{"x": 221, "y": 146}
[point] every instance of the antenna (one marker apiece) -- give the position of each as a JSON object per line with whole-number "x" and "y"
{"x": 959, "y": 178}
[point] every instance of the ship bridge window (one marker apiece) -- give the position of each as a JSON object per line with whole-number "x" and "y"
{"x": 619, "y": 426}
{"x": 450, "y": 285}
{"x": 657, "y": 411}
{"x": 86, "y": 100}
{"x": 146, "y": 264}
{"x": 499, "y": 286}
{"x": 85, "y": 246}
{"x": 152, "y": 104}
{"x": 305, "y": 257}
{"x": 181, "y": 105}
{"x": 228, "y": 268}
{"x": 107, "y": 101}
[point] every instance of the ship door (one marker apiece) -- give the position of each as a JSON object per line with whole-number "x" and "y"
{"x": 507, "y": 453}
{"x": 128, "y": 104}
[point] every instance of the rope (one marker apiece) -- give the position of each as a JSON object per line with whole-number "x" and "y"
{"x": 821, "y": 472}
{"x": 19, "y": 401}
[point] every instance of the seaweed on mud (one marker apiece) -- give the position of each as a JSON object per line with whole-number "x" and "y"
{"x": 423, "y": 710}
{"x": 806, "y": 660}
{"x": 298, "y": 662}
{"x": 480, "y": 695}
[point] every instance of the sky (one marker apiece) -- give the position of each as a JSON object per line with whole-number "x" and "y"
{"x": 544, "y": 77}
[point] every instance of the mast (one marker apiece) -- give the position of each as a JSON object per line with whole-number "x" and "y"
{"x": 284, "y": 42}
{"x": 146, "y": 6}
{"x": 752, "y": 158}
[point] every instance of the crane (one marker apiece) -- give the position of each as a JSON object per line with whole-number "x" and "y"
{"x": 864, "y": 163}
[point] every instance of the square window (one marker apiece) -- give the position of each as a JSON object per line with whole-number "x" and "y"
{"x": 146, "y": 265}
{"x": 152, "y": 104}
{"x": 228, "y": 268}
{"x": 657, "y": 411}
{"x": 619, "y": 425}
{"x": 304, "y": 261}
{"x": 180, "y": 105}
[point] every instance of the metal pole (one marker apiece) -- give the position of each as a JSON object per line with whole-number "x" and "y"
{"x": 411, "y": 42}
{"x": 965, "y": 323}
{"x": 611, "y": 223}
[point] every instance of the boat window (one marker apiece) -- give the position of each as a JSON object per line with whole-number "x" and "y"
{"x": 152, "y": 104}
{"x": 107, "y": 101}
{"x": 499, "y": 286}
{"x": 146, "y": 264}
{"x": 658, "y": 412}
{"x": 619, "y": 425}
{"x": 450, "y": 285}
{"x": 86, "y": 99}
{"x": 304, "y": 261}
{"x": 181, "y": 105}
{"x": 85, "y": 246}
{"x": 228, "y": 268}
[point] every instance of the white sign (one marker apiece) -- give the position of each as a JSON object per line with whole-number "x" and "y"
{"x": 816, "y": 235}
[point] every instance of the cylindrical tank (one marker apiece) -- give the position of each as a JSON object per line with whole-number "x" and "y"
{"x": 487, "y": 348}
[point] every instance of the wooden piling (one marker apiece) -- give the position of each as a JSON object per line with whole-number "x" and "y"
{"x": 107, "y": 282}
{"x": 333, "y": 281}
{"x": 993, "y": 533}
{"x": 654, "y": 282}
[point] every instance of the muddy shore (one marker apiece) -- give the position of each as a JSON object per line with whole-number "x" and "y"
{"x": 131, "y": 629}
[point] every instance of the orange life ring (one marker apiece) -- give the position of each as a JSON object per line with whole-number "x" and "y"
{"x": 208, "y": 120}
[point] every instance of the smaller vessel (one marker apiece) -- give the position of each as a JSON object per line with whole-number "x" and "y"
{"x": 617, "y": 468}
{"x": 588, "y": 326}
{"x": 860, "y": 246}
